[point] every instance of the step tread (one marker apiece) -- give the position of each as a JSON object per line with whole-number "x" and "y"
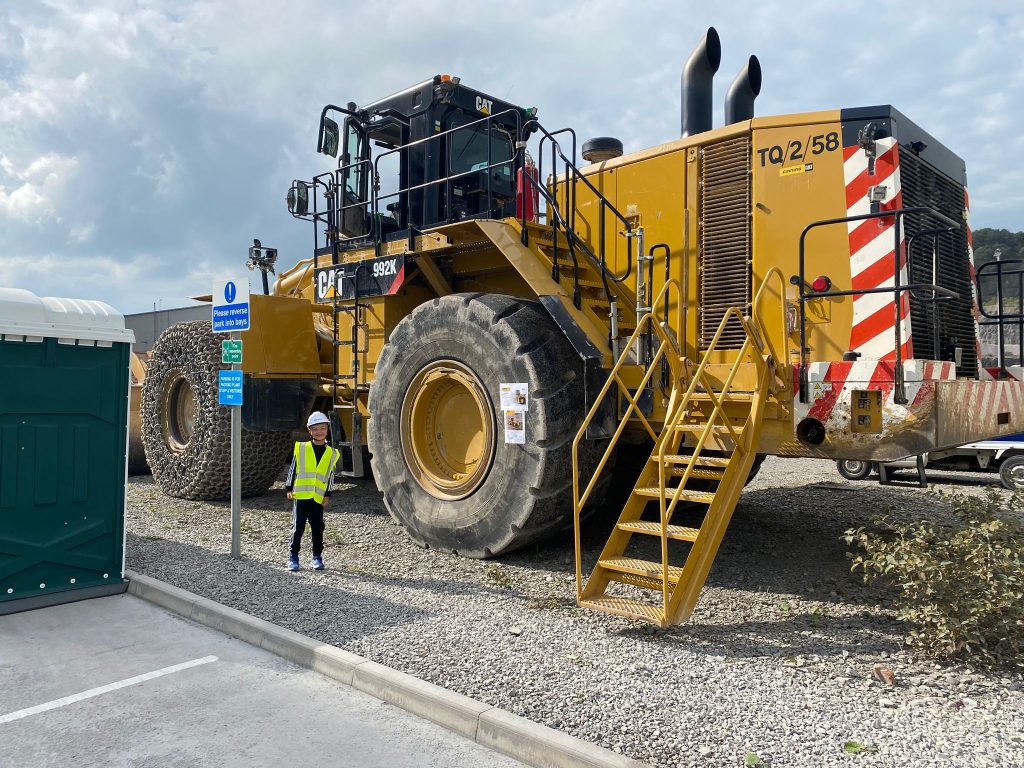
{"x": 652, "y": 492}
{"x": 635, "y": 580}
{"x": 696, "y": 427}
{"x": 624, "y": 606}
{"x": 583, "y": 283}
{"x": 640, "y": 567}
{"x": 702, "y": 474}
{"x": 730, "y": 397}
{"x": 702, "y": 461}
{"x": 651, "y": 528}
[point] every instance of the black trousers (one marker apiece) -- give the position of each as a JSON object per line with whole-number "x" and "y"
{"x": 303, "y": 511}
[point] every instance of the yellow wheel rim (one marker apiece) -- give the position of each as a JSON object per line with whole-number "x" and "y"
{"x": 179, "y": 413}
{"x": 447, "y": 430}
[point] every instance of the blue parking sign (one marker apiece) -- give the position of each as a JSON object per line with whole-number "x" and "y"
{"x": 231, "y": 306}
{"x": 229, "y": 387}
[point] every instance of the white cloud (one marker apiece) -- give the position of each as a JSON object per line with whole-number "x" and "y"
{"x": 150, "y": 140}
{"x": 34, "y": 193}
{"x": 25, "y": 203}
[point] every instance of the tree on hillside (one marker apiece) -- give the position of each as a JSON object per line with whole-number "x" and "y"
{"x": 986, "y": 241}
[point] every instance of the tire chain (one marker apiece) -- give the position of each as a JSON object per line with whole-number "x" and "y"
{"x": 203, "y": 470}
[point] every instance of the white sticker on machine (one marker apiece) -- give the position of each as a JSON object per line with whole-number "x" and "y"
{"x": 515, "y": 427}
{"x": 515, "y": 397}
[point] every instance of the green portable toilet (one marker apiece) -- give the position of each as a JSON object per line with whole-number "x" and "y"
{"x": 63, "y": 445}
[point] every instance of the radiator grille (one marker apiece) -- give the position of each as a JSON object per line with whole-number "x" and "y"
{"x": 725, "y": 266}
{"x": 952, "y": 319}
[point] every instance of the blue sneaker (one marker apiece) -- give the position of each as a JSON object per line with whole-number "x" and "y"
{"x": 293, "y": 563}
{"x": 317, "y": 563}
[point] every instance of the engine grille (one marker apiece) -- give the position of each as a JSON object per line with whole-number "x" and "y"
{"x": 725, "y": 264}
{"x": 938, "y": 326}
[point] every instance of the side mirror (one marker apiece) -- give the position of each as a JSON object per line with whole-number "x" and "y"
{"x": 329, "y": 135}
{"x": 298, "y": 198}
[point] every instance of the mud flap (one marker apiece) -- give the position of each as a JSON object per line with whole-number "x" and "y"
{"x": 602, "y": 426}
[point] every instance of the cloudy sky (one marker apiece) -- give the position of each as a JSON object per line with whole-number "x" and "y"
{"x": 144, "y": 143}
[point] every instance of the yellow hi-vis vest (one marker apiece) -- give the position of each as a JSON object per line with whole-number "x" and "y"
{"x": 311, "y": 479}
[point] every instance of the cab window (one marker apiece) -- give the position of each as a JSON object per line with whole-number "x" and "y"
{"x": 354, "y": 172}
{"x": 470, "y": 146}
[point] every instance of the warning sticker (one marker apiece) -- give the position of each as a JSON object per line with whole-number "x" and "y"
{"x": 515, "y": 397}
{"x": 515, "y": 427}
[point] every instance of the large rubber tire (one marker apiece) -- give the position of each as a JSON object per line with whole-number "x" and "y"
{"x": 755, "y": 467}
{"x": 855, "y": 470}
{"x": 1011, "y": 473}
{"x": 190, "y": 455}
{"x": 526, "y": 493}
{"x": 136, "y": 452}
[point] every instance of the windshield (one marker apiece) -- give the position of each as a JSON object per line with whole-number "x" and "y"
{"x": 469, "y": 148}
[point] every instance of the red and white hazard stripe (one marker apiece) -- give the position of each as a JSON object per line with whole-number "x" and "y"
{"x": 984, "y": 401}
{"x": 1013, "y": 372}
{"x": 975, "y": 311}
{"x": 830, "y": 385}
{"x": 873, "y": 253}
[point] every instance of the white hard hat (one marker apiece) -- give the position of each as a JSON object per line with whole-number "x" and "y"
{"x": 317, "y": 418}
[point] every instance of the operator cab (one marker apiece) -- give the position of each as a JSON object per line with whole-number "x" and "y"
{"x": 433, "y": 154}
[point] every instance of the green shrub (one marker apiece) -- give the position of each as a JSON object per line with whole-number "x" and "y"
{"x": 498, "y": 576}
{"x": 960, "y": 586}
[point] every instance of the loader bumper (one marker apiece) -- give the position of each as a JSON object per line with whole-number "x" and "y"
{"x": 856, "y": 404}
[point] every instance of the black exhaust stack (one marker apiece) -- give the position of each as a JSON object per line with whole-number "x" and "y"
{"x": 739, "y": 101}
{"x": 698, "y": 73}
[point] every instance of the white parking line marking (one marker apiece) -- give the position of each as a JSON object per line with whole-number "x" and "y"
{"x": 17, "y": 715}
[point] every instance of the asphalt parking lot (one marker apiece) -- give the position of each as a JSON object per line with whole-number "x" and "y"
{"x": 117, "y": 681}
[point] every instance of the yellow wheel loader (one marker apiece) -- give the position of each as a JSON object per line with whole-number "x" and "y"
{"x": 489, "y": 331}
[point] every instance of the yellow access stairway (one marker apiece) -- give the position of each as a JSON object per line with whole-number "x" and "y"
{"x": 578, "y": 274}
{"x": 659, "y": 554}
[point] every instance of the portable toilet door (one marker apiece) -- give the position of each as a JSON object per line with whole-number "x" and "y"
{"x": 63, "y": 444}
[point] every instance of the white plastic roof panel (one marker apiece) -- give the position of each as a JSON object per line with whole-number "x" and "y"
{"x": 22, "y": 313}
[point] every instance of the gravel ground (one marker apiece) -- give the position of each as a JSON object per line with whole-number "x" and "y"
{"x": 777, "y": 659}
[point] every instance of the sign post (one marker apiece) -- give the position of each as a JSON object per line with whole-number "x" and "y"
{"x": 231, "y": 315}
{"x": 236, "y": 463}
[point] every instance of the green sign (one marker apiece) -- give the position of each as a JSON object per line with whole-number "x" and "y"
{"x": 231, "y": 351}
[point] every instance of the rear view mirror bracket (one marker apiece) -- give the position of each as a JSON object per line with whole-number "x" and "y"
{"x": 298, "y": 198}
{"x": 328, "y": 137}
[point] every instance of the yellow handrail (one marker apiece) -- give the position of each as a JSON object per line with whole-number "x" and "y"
{"x": 755, "y": 341}
{"x": 579, "y": 501}
{"x": 675, "y": 417}
{"x": 778, "y": 355}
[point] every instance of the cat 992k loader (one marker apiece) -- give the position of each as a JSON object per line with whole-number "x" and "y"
{"x": 495, "y": 330}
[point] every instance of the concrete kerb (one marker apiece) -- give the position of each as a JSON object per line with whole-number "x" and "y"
{"x": 495, "y": 728}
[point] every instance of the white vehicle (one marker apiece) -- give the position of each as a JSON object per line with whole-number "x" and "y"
{"x": 1004, "y": 455}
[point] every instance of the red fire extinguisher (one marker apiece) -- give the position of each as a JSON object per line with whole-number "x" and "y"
{"x": 527, "y": 197}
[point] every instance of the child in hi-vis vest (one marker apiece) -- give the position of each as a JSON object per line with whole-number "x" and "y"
{"x": 309, "y": 484}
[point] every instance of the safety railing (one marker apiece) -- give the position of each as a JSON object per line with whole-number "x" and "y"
{"x": 342, "y": 209}
{"x": 897, "y": 289}
{"x": 1000, "y": 270}
{"x": 512, "y": 162}
{"x": 777, "y": 353}
{"x": 753, "y": 340}
{"x": 563, "y": 220}
{"x": 342, "y": 206}
{"x": 667, "y": 350}
{"x": 332, "y": 218}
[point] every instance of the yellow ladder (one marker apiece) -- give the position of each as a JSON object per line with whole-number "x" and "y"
{"x": 725, "y": 421}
